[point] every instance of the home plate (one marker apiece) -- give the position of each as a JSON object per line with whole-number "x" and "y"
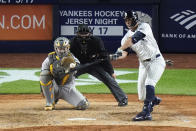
{"x": 80, "y": 119}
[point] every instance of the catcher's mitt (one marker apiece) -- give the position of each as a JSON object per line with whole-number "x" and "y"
{"x": 67, "y": 63}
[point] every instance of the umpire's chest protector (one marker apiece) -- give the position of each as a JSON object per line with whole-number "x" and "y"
{"x": 56, "y": 69}
{"x": 86, "y": 52}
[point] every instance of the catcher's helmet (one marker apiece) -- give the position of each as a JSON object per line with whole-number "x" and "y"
{"x": 83, "y": 29}
{"x": 61, "y": 46}
{"x": 131, "y": 15}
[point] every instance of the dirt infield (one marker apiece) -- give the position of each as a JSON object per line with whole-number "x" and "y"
{"x": 25, "y": 112}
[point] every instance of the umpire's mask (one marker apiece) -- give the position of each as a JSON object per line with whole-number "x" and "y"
{"x": 83, "y": 33}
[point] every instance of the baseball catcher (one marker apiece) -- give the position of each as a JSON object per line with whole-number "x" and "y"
{"x": 56, "y": 79}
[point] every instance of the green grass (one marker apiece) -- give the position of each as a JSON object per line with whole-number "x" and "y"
{"x": 173, "y": 81}
{"x": 20, "y": 87}
{"x": 178, "y": 81}
{"x": 101, "y": 88}
{"x": 37, "y": 73}
{"x": 3, "y": 74}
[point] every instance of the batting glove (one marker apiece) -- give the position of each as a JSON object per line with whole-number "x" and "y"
{"x": 169, "y": 62}
{"x": 119, "y": 52}
{"x": 115, "y": 56}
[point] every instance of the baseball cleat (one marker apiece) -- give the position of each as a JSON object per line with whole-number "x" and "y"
{"x": 83, "y": 105}
{"x": 124, "y": 102}
{"x": 142, "y": 116}
{"x": 145, "y": 114}
{"x": 155, "y": 102}
{"x": 49, "y": 108}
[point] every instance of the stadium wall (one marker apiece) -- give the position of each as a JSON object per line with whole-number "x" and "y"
{"x": 29, "y": 26}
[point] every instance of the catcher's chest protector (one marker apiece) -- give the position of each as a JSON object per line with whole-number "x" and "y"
{"x": 56, "y": 69}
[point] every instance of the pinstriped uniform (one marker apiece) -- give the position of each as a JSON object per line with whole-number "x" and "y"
{"x": 151, "y": 61}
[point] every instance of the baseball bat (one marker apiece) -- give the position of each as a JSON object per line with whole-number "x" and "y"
{"x": 83, "y": 66}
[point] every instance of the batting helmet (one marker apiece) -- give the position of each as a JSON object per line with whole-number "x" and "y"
{"x": 83, "y": 29}
{"x": 131, "y": 15}
{"x": 61, "y": 46}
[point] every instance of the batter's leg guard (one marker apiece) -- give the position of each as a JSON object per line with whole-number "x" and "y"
{"x": 145, "y": 114}
{"x": 150, "y": 93}
{"x": 150, "y": 97}
{"x": 83, "y": 105}
{"x": 155, "y": 102}
{"x": 48, "y": 90}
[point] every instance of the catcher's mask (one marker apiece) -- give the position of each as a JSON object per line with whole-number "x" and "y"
{"x": 131, "y": 16}
{"x": 61, "y": 46}
{"x": 83, "y": 33}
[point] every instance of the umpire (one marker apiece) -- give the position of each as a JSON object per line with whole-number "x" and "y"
{"x": 88, "y": 48}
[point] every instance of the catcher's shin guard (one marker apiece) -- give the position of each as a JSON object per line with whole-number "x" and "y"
{"x": 47, "y": 88}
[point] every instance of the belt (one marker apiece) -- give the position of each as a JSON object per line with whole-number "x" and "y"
{"x": 151, "y": 58}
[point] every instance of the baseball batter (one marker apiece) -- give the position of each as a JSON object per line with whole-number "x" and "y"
{"x": 140, "y": 39}
{"x": 55, "y": 82}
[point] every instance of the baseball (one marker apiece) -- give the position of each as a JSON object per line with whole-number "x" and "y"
{"x": 72, "y": 65}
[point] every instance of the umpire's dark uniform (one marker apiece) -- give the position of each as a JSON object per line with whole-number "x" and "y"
{"x": 91, "y": 49}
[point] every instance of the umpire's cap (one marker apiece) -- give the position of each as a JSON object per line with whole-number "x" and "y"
{"x": 83, "y": 29}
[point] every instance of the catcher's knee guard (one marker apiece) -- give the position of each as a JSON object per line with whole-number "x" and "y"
{"x": 47, "y": 88}
{"x": 83, "y": 105}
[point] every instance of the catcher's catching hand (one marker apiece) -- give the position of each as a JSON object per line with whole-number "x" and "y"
{"x": 68, "y": 63}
